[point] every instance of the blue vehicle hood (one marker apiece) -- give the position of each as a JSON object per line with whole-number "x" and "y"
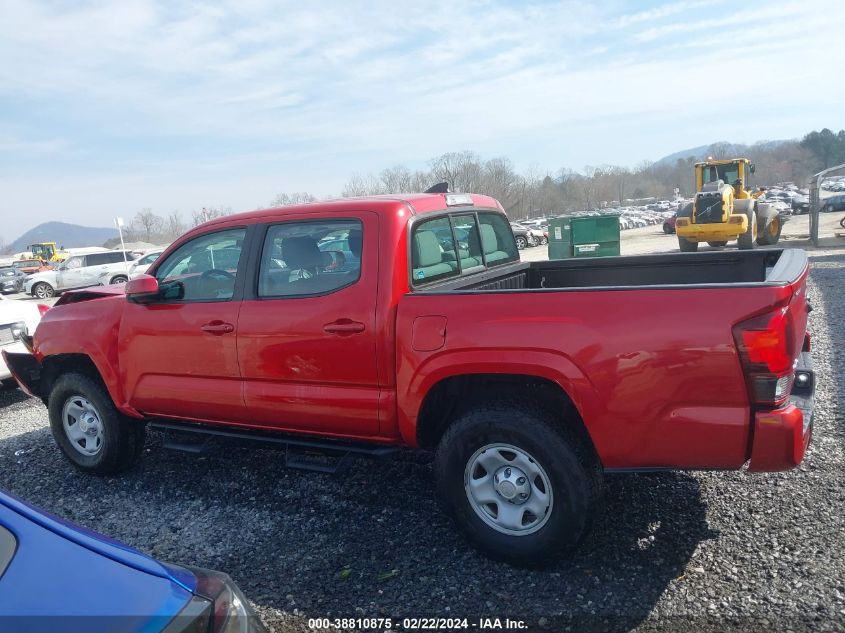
{"x": 65, "y": 573}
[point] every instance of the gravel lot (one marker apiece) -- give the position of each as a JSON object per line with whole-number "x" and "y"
{"x": 716, "y": 551}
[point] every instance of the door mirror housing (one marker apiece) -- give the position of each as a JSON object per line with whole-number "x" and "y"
{"x": 142, "y": 289}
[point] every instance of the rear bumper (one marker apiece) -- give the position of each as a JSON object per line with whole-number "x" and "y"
{"x": 23, "y": 367}
{"x": 717, "y": 232}
{"x": 781, "y": 437}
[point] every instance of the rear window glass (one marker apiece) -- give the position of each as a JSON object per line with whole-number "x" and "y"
{"x": 448, "y": 246}
{"x": 497, "y": 239}
{"x": 433, "y": 253}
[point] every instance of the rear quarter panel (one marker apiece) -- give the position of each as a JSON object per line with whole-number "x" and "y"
{"x": 654, "y": 373}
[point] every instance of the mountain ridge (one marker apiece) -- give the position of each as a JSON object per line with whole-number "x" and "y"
{"x": 64, "y": 234}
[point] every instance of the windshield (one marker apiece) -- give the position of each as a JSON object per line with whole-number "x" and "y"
{"x": 39, "y": 250}
{"x": 729, "y": 174}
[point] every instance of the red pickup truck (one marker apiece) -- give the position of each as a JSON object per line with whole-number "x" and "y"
{"x": 370, "y": 323}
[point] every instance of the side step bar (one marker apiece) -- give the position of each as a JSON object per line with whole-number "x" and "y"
{"x": 339, "y": 452}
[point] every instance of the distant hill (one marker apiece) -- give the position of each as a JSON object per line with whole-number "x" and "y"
{"x": 67, "y": 235}
{"x": 700, "y": 152}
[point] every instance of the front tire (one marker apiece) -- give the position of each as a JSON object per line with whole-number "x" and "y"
{"x": 520, "y": 486}
{"x": 747, "y": 240}
{"x": 686, "y": 246}
{"x": 93, "y": 435}
{"x": 43, "y": 290}
{"x": 119, "y": 279}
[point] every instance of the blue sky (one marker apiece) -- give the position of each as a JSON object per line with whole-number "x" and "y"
{"x": 108, "y": 108}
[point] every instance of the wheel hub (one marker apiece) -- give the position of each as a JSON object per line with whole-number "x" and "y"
{"x": 88, "y": 423}
{"x": 512, "y": 484}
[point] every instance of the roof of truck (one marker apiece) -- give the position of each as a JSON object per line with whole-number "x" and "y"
{"x": 416, "y": 202}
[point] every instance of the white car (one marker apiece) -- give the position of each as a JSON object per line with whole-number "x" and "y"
{"x": 16, "y": 319}
{"x": 80, "y": 271}
{"x": 142, "y": 264}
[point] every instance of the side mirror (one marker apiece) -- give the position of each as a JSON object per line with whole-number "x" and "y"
{"x": 752, "y": 167}
{"x": 142, "y": 289}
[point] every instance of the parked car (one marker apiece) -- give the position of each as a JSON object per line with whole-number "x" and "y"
{"x": 80, "y": 271}
{"x": 800, "y": 204}
{"x": 55, "y": 575}
{"x": 11, "y": 280}
{"x": 513, "y": 372}
{"x": 140, "y": 265}
{"x": 31, "y": 266}
{"x": 669, "y": 224}
{"x": 523, "y": 236}
{"x": 833, "y": 203}
{"x": 17, "y": 319}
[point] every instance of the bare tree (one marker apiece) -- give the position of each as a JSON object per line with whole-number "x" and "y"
{"x": 147, "y": 224}
{"x": 173, "y": 227}
{"x": 462, "y": 170}
{"x": 287, "y": 199}
{"x": 360, "y": 185}
{"x": 208, "y": 213}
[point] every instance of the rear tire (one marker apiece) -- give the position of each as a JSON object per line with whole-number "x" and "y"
{"x": 521, "y": 242}
{"x": 771, "y": 232}
{"x": 559, "y": 475}
{"x": 9, "y": 383}
{"x": 686, "y": 246}
{"x": 667, "y": 228}
{"x": 93, "y": 435}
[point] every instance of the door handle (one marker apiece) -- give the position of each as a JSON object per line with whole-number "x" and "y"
{"x": 344, "y": 327}
{"x": 218, "y": 328}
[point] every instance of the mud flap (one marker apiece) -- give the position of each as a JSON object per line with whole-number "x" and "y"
{"x": 26, "y": 370}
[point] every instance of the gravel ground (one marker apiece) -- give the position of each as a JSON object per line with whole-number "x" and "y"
{"x": 715, "y": 551}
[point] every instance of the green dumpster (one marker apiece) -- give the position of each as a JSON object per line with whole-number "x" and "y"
{"x": 596, "y": 236}
{"x": 560, "y": 238}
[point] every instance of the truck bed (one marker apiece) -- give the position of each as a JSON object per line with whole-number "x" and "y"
{"x": 671, "y": 270}
{"x": 644, "y": 345}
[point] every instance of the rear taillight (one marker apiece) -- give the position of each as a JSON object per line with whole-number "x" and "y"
{"x": 766, "y": 346}
{"x": 42, "y": 309}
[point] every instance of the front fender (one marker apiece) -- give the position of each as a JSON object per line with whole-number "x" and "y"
{"x": 537, "y": 363}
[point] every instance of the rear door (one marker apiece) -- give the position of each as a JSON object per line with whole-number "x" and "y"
{"x": 178, "y": 356}
{"x": 306, "y": 333}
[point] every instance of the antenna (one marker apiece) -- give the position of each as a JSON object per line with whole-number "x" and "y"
{"x": 440, "y": 187}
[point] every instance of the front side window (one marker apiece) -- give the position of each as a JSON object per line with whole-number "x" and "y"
{"x": 74, "y": 262}
{"x": 148, "y": 259}
{"x": 203, "y": 269}
{"x": 310, "y": 258}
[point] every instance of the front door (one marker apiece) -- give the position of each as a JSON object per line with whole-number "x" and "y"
{"x": 179, "y": 354}
{"x": 71, "y": 272}
{"x": 306, "y": 334}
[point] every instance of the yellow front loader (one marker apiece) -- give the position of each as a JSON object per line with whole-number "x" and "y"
{"x": 724, "y": 209}
{"x": 47, "y": 252}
